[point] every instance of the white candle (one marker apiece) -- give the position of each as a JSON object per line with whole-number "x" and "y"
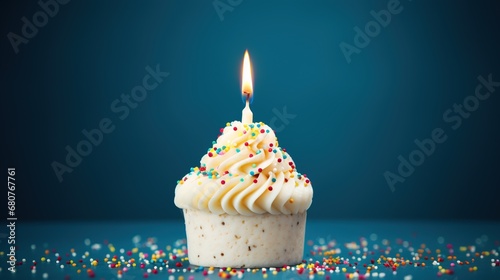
{"x": 246, "y": 114}
{"x": 247, "y": 89}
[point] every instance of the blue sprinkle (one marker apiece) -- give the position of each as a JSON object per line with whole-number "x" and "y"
{"x": 273, "y": 179}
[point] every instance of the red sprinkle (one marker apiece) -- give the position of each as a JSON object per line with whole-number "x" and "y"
{"x": 270, "y": 188}
{"x": 210, "y": 154}
{"x": 250, "y": 155}
{"x": 255, "y": 181}
{"x": 279, "y": 160}
{"x": 246, "y": 143}
{"x": 260, "y": 169}
{"x": 271, "y": 144}
{"x": 223, "y": 182}
{"x": 262, "y": 131}
{"x": 235, "y": 128}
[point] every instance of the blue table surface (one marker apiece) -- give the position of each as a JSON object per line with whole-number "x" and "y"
{"x": 342, "y": 243}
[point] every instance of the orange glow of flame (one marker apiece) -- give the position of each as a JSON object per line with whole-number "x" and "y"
{"x": 246, "y": 78}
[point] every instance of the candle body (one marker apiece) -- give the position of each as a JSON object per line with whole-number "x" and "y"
{"x": 246, "y": 114}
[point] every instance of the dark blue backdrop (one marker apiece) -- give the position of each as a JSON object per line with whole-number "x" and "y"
{"x": 358, "y": 89}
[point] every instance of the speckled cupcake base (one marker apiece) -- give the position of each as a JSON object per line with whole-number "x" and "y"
{"x": 244, "y": 241}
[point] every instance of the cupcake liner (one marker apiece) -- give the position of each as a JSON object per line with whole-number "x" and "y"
{"x": 244, "y": 241}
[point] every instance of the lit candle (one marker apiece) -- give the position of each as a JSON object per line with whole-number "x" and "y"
{"x": 246, "y": 89}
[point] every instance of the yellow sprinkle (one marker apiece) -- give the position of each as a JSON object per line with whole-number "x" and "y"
{"x": 42, "y": 259}
{"x": 344, "y": 269}
{"x": 181, "y": 277}
{"x": 228, "y": 124}
{"x": 78, "y": 271}
{"x": 73, "y": 264}
{"x": 135, "y": 250}
{"x": 291, "y": 200}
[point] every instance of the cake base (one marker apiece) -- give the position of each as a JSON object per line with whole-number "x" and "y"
{"x": 244, "y": 241}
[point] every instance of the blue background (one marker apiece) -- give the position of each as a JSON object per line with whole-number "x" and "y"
{"x": 352, "y": 120}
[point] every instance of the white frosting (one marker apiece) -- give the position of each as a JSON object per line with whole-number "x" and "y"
{"x": 245, "y": 173}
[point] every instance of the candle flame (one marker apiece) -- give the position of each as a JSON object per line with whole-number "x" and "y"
{"x": 246, "y": 78}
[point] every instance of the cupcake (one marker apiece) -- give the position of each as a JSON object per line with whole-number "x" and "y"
{"x": 245, "y": 205}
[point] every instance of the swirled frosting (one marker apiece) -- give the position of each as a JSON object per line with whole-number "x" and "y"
{"x": 245, "y": 172}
